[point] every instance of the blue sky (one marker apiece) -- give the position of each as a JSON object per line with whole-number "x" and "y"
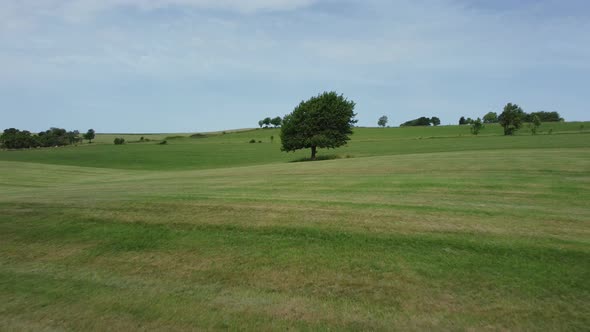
{"x": 204, "y": 65}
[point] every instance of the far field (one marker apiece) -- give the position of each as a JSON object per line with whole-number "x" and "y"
{"x": 405, "y": 229}
{"x": 217, "y": 150}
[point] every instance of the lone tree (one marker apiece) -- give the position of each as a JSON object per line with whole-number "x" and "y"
{"x": 435, "y": 121}
{"x": 89, "y": 135}
{"x": 323, "y": 121}
{"x": 462, "y": 121}
{"x": 511, "y": 118}
{"x": 382, "y": 122}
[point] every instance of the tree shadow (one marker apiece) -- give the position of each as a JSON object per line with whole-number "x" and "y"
{"x": 321, "y": 158}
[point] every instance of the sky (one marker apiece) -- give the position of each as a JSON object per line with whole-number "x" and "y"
{"x": 123, "y": 66}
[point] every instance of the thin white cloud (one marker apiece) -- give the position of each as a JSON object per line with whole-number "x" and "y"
{"x": 75, "y": 10}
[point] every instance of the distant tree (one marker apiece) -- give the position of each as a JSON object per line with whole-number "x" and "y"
{"x": 119, "y": 141}
{"x": 476, "y": 126}
{"x": 266, "y": 122}
{"x": 490, "y": 117}
{"x": 73, "y": 136}
{"x": 469, "y": 121}
{"x": 544, "y": 116}
{"x": 276, "y": 122}
{"x": 421, "y": 121}
{"x": 435, "y": 121}
{"x": 90, "y": 134}
{"x": 462, "y": 121}
{"x": 536, "y": 124}
{"x": 382, "y": 122}
{"x": 323, "y": 121}
{"x": 511, "y": 118}
{"x": 261, "y": 123}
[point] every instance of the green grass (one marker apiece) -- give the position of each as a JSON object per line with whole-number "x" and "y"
{"x": 423, "y": 229}
{"x": 232, "y": 149}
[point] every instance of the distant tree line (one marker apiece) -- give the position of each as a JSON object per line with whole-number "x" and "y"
{"x": 511, "y": 119}
{"x": 13, "y": 138}
{"x": 422, "y": 121}
{"x": 493, "y": 117}
{"x": 267, "y": 122}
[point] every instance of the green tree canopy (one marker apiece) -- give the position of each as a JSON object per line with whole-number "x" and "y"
{"x": 435, "y": 121}
{"x": 543, "y": 116}
{"x": 421, "y": 121}
{"x": 90, "y": 134}
{"x": 490, "y": 117}
{"x": 13, "y": 138}
{"x": 476, "y": 126}
{"x": 511, "y": 118}
{"x": 382, "y": 122}
{"x": 323, "y": 121}
{"x": 276, "y": 122}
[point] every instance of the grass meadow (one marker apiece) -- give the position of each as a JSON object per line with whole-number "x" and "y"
{"x": 404, "y": 229}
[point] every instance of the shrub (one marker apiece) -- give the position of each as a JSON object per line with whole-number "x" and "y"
{"x": 163, "y": 142}
{"x": 535, "y": 125}
{"x": 252, "y": 141}
{"x": 476, "y": 126}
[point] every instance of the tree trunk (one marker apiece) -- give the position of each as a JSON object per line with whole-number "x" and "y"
{"x": 313, "y": 152}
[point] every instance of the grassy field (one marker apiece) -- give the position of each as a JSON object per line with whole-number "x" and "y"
{"x": 422, "y": 228}
{"x": 232, "y": 149}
